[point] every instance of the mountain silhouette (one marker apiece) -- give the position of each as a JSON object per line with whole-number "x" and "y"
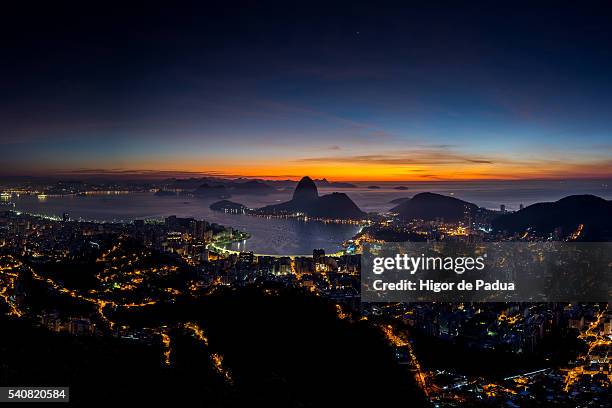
{"x": 213, "y": 186}
{"x": 206, "y": 190}
{"x": 305, "y": 191}
{"x": 593, "y": 212}
{"x": 306, "y": 200}
{"x": 337, "y": 184}
{"x": 252, "y": 187}
{"x": 432, "y": 206}
{"x": 334, "y": 205}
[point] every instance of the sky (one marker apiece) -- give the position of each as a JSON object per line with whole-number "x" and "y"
{"x": 344, "y": 91}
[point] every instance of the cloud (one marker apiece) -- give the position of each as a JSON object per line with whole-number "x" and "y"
{"x": 419, "y": 156}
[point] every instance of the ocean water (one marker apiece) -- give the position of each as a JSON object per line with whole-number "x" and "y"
{"x": 487, "y": 194}
{"x": 268, "y": 236}
{"x": 293, "y": 237}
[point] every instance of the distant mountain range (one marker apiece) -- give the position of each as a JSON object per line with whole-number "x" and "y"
{"x": 305, "y": 200}
{"x": 542, "y": 219}
{"x": 432, "y": 206}
{"x": 333, "y": 184}
{"x": 252, "y": 187}
{"x": 216, "y": 188}
{"x": 202, "y": 186}
{"x": 187, "y": 184}
{"x": 565, "y": 215}
{"x": 216, "y": 191}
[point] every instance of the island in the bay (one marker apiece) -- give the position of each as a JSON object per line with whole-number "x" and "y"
{"x": 306, "y": 201}
{"x": 167, "y": 302}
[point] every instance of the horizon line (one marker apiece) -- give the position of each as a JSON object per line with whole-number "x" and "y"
{"x": 155, "y": 175}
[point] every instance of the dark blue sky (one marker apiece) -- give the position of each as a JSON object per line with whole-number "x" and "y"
{"x": 349, "y": 92}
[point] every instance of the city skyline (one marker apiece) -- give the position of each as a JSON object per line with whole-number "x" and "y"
{"x": 371, "y": 94}
{"x": 255, "y": 203}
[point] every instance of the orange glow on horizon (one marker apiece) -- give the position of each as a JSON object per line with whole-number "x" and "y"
{"x": 412, "y": 174}
{"x": 363, "y": 171}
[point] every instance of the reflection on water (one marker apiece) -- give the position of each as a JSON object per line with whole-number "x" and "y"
{"x": 286, "y": 236}
{"x": 487, "y": 194}
{"x": 268, "y": 236}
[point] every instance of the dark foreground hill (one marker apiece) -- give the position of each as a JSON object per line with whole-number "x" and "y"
{"x": 288, "y": 350}
{"x": 565, "y": 215}
{"x": 432, "y": 206}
